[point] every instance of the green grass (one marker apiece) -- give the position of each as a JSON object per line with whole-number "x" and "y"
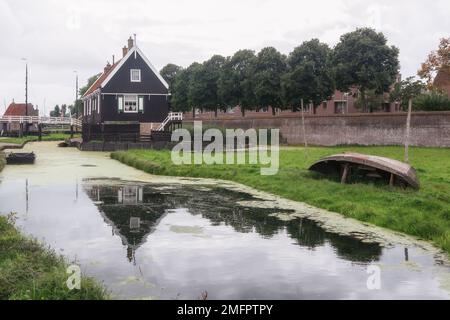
{"x": 2, "y": 161}
{"x": 30, "y": 271}
{"x": 424, "y": 213}
{"x": 50, "y": 137}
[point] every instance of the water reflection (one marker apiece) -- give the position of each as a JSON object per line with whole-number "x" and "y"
{"x": 134, "y": 210}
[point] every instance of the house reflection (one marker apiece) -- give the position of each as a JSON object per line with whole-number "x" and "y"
{"x": 133, "y": 211}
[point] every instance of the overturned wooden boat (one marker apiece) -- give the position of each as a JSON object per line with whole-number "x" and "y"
{"x": 369, "y": 167}
{"x": 21, "y": 158}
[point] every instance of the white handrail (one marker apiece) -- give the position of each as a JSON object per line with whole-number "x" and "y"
{"x": 172, "y": 116}
{"x": 41, "y": 120}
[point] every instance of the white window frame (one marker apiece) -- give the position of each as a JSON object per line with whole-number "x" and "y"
{"x": 130, "y": 98}
{"x": 131, "y": 75}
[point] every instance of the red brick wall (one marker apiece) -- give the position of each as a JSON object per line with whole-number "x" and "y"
{"x": 430, "y": 129}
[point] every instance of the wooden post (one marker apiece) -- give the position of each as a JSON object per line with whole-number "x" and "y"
{"x": 40, "y": 131}
{"x": 71, "y": 131}
{"x": 392, "y": 180}
{"x": 408, "y": 129}
{"x": 344, "y": 174}
{"x": 303, "y": 125}
{"x": 21, "y": 130}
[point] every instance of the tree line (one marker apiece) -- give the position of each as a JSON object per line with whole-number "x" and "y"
{"x": 309, "y": 75}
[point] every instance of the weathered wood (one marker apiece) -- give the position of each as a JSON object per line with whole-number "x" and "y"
{"x": 392, "y": 180}
{"x": 345, "y": 174}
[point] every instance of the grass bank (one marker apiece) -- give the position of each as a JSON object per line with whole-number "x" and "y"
{"x": 2, "y": 161}
{"x": 50, "y": 137}
{"x": 29, "y": 270}
{"x": 424, "y": 213}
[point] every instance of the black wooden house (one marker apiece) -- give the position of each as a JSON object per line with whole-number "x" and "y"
{"x": 128, "y": 101}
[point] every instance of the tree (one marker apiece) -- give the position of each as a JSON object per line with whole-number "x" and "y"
{"x": 212, "y": 69}
{"x": 269, "y": 68}
{"x": 196, "y": 86}
{"x": 370, "y": 101}
{"x": 90, "y": 82}
{"x": 56, "y": 112}
{"x": 362, "y": 59}
{"x": 169, "y": 72}
{"x": 309, "y": 76}
{"x": 235, "y": 85}
{"x": 437, "y": 61}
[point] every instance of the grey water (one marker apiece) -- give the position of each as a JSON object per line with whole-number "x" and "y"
{"x": 171, "y": 240}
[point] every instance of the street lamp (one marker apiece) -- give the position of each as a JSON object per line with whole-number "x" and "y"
{"x": 26, "y": 94}
{"x": 76, "y": 93}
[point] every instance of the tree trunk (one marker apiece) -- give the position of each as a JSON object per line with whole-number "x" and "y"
{"x": 303, "y": 125}
{"x": 193, "y": 113}
{"x": 408, "y": 129}
{"x": 243, "y": 111}
{"x": 273, "y": 111}
{"x": 215, "y": 112}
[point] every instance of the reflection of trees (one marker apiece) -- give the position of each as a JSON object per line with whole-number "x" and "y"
{"x": 134, "y": 210}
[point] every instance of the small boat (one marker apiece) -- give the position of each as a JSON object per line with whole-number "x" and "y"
{"x": 369, "y": 167}
{"x": 21, "y": 158}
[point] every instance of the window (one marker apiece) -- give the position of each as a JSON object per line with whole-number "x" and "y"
{"x": 130, "y": 103}
{"x": 340, "y": 107}
{"x": 135, "y": 75}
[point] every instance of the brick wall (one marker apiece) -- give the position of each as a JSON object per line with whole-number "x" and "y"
{"x": 430, "y": 129}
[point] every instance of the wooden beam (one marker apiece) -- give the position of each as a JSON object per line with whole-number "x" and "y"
{"x": 344, "y": 174}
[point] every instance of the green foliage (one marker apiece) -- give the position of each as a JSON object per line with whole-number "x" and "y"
{"x": 30, "y": 271}
{"x": 405, "y": 90}
{"x": 363, "y": 59}
{"x": 268, "y": 70}
{"x": 423, "y": 213}
{"x": 432, "y": 101}
{"x": 90, "y": 82}
{"x": 179, "y": 90}
{"x": 369, "y": 101}
{"x": 169, "y": 72}
{"x": 309, "y": 75}
{"x": 2, "y": 161}
{"x": 56, "y": 112}
{"x": 235, "y": 85}
{"x": 49, "y": 137}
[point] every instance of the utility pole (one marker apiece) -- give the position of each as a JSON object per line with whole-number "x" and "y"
{"x": 76, "y": 93}
{"x": 26, "y": 94}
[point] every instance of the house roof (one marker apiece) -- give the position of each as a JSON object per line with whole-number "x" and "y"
{"x": 98, "y": 83}
{"x": 18, "y": 109}
{"x": 106, "y": 76}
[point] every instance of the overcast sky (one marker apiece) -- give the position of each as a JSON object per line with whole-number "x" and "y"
{"x": 58, "y": 37}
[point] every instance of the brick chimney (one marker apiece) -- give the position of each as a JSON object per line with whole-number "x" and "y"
{"x": 107, "y": 67}
{"x": 130, "y": 43}
{"x": 124, "y": 51}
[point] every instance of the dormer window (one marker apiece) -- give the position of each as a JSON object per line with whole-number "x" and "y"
{"x": 135, "y": 75}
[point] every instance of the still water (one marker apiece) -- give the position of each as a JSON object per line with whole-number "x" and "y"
{"x": 153, "y": 238}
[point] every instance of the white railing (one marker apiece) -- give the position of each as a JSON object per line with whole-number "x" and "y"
{"x": 41, "y": 120}
{"x": 172, "y": 116}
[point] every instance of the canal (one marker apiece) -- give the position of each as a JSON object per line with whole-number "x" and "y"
{"x": 148, "y": 237}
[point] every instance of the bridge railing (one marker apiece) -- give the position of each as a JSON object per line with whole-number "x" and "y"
{"x": 41, "y": 120}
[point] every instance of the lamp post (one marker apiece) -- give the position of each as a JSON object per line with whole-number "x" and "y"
{"x": 76, "y": 93}
{"x": 26, "y": 94}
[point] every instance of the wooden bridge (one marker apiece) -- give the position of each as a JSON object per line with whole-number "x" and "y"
{"x": 42, "y": 124}
{"x": 41, "y": 120}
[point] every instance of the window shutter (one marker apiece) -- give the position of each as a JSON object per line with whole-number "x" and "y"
{"x": 141, "y": 104}
{"x": 120, "y": 103}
